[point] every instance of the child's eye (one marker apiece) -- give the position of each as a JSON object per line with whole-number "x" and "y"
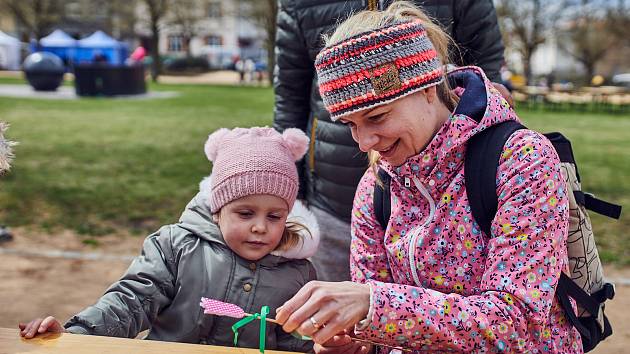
{"x": 245, "y": 214}
{"x": 274, "y": 217}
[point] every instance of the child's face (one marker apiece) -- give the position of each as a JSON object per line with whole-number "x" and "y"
{"x": 252, "y": 226}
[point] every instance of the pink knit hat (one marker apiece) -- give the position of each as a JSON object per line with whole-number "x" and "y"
{"x": 254, "y": 161}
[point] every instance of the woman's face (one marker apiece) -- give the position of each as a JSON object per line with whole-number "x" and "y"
{"x": 252, "y": 226}
{"x": 400, "y": 129}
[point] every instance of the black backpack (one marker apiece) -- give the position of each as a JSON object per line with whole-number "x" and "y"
{"x": 586, "y": 284}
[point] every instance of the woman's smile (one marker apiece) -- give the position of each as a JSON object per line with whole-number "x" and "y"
{"x": 390, "y": 150}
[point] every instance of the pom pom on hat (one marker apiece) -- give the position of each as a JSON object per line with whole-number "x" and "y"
{"x": 256, "y": 160}
{"x": 296, "y": 141}
{"x": 214, "y": 142}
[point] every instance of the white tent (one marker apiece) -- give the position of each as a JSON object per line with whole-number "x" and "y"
{"x": 9, "y": 52}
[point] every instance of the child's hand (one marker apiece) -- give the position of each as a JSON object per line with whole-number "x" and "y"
{"x": 38, "y": 325}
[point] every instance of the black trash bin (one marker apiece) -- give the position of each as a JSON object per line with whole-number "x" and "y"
{"x": 102, "y": 79}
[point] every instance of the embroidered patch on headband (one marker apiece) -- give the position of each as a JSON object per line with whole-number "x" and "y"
{"x": 377, "y": 67}
{"x": 387, "y": 81}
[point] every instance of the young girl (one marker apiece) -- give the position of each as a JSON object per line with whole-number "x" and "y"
{"x": 235, "y": 242}
{"x": 429, "y": 279}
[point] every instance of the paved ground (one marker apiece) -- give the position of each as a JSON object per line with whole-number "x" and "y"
{"x": 59, "y": 275}
{"x": 68, "y": 93}
{"x": 221, "y": 77}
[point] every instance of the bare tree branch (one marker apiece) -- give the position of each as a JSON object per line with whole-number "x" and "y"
{"x": 587, "y": 37}
{"x": 185, "y": 16}
{"x": 37, "y": 16}
{"x": 526, "y": 24}
{"x": 263, "y": 13}
{"x": 156, "y": 10}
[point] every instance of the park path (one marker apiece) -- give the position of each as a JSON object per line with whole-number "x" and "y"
{"x": 60, "y": 275}
{"x": 220, "y": 77}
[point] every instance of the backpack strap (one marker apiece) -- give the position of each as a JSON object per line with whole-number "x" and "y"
{"x": 480, "y": 171}
{"x": 597, "y": 205}
{"x": 382, "y": 198}
{"x": 590, "y": 202}
{"x": 596, "y": 327}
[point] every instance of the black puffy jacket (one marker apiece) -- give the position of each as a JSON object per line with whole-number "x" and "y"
{"x": 333, "y": 166}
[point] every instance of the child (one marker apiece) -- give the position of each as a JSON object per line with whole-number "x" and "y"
{"x": 235, "y": 242}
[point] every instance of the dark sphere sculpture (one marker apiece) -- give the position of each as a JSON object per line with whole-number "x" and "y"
{"x": 44, "y": 71}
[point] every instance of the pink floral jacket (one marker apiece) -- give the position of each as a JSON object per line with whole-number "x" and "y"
{"x": 437, "y": 282}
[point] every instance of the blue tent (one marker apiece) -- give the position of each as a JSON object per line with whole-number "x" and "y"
{"x": 60, "y": 44}
{"x": 99, "y": 44}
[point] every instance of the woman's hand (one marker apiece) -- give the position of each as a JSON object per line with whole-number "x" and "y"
{"x": 38, "y": 325}
{"x": 342, "y": 343}
{"x": 322, "y": 309}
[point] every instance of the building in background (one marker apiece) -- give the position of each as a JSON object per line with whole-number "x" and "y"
{"x": 218, "y": 29}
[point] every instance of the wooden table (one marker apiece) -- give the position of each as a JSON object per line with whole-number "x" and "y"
{"x": 66, "y": 343}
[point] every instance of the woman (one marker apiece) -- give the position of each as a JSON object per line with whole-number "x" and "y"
{"x": 432, "y": 280}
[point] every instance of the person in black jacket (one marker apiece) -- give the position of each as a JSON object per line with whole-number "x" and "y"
{"x": 333, "y": 166}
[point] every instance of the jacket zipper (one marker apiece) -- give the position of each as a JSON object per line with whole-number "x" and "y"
{"x": 311, "y": 146}
{"x": 416, "y": 231}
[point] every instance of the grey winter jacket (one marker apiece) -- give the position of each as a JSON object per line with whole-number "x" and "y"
{"x": 178, "y": 265}
{"x": 334, "y": 165}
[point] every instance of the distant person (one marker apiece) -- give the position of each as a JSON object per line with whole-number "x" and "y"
{"x": 250, "y": 70}
{"x": 138, "y": 55}
{"x": 551, "y": 79}
{"x": 261, "y": 67}
{"x": 240, "y": 68}
{"x": 99, "y": 58}
{"x": 236, "y": 242}
{"x": 333, "y": 166}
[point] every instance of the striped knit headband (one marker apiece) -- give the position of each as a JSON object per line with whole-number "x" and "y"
{"x": 376, "y": 67}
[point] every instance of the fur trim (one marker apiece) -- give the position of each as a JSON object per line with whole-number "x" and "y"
{"x": 307, "y": 246}
{"x": 205, "y": 188}
{"x": 6, "y": 153}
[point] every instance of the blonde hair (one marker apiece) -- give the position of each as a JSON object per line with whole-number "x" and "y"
{"x": 397, "y": 12}
{"x": 292, "y": 234}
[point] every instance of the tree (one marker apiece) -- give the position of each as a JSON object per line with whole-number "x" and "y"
{"x": 263, "y": 13}
{"x": 528, "y": 23}
{"x": 587, "y": 38}
{"x": 121, "y": 17}
{"x": 185, "y": 16}
{"x": 37, "y": 16}
{"x": 618, "y": 22}
{"x": 156, "y": 10}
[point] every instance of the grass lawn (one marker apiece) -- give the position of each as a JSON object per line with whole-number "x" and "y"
{"x": 98, "y": 165}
